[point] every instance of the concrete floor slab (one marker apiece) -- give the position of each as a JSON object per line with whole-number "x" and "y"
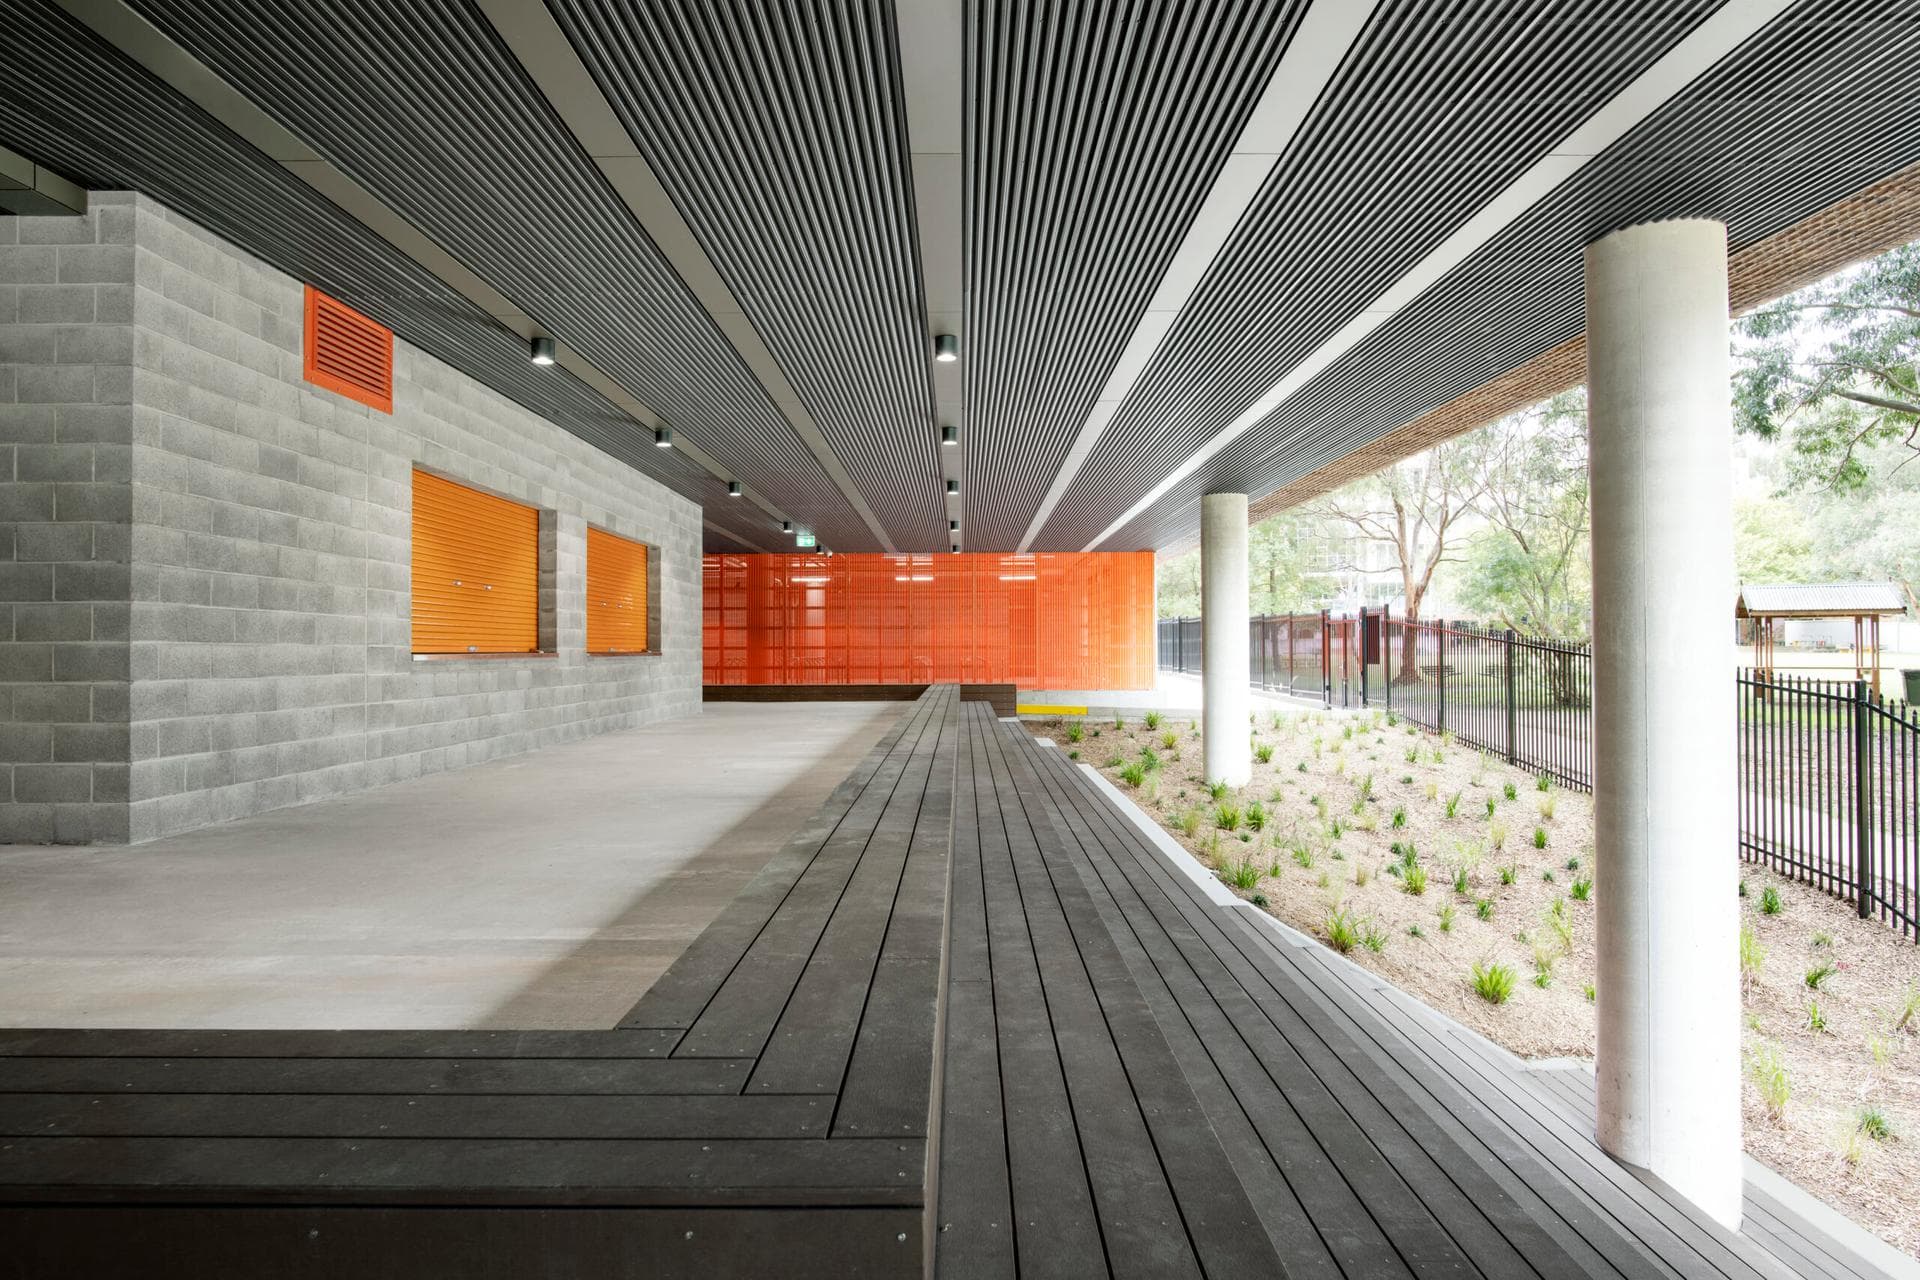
{"x": 541, "y": 891}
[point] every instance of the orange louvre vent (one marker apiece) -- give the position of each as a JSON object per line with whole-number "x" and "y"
{"x": 476, "y": 570}
{"x": 616, "y": 594}
{"x": 347, "y": 353}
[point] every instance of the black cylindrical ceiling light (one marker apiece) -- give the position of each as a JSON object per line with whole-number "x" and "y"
{"x": 956, "y": 548}
{"x": 946, "y": 348}
{"x": 953, "y": 526}
{"x": 543, "y": 350}
{"x": 949, "y": 436}
{"x": 663, "y": 437}
{"x": 953, "y": 486}
{"x": 733, "y": 488}
{"x": 786, "y": 526}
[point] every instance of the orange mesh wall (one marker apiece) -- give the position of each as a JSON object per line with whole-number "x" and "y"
{"x": 1080, "y": 620}
{"x": 476, "y": 570}
{"x": 616, "y": 594}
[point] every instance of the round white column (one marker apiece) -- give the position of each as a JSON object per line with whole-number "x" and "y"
{"x": 1666, "y": 852}
{"x": 1227, "y": 698}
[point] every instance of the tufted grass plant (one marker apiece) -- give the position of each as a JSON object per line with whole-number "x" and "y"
{"x": 1152, "y": 720}
{"x": 1770, "y": 1079}
{"x": 1076, "y": 730}
{"x": 1492, "y": 982}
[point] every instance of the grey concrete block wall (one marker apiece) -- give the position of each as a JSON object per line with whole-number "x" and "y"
{"x": 265, "y": 526}
{"x": 66, "y": 345}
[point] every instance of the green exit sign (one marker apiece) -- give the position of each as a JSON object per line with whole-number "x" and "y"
{"x": 803, "y": 540}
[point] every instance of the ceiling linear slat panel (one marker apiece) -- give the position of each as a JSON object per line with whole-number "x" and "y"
{"x": 425, "y": 108}
{"x": 1094, "y": 132}
{"x": 777, "y": 130}
{"x": 1436, "y": 110}
{"x": 1816, "y": 108}
{"x": 78, "y": 105}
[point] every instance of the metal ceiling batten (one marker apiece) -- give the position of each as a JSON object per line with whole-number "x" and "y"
{"x": 1094, "y": 133}
{"x": 1506, "y": 103}
{"x": 119, "y": 126}
{"x": 1723, "y": 147}
{"x": 778, "y": 132}
{"x": 429, "y": 111}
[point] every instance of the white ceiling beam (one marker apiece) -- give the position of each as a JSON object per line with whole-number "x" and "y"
{"x": 1731, "y": 26}
{"x": 1318, "y": 47}
{"x": 932, "y": 35}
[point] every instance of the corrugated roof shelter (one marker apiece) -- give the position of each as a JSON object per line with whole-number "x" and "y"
{"x": 1865, "y": 602}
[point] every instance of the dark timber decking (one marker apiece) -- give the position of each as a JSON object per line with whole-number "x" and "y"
{"x": 968, "y": 1020}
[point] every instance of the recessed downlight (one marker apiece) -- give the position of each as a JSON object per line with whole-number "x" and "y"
{"x": 543, "y": 350}
{"x": 786, "y": 526}
{"x": 663, "y": 437}
{"x": 733, "y": 488}
{"x": 946, "y": 348}
{"x": 949, "y": 436}
{"x": 953, "y": 526}
{"x": 953, "y": 486}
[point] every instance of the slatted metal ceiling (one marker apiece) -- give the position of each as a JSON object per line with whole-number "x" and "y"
{"x": 1436, "y": 110}
{"x": 1094, "y": 133}
{"x": 66, "y": 96}
{"x": 424, "y": 106}
{"x": 777, "y": 130}
{"x": 1815, "y": 108}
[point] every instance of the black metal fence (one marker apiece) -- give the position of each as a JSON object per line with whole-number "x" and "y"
{"x": 1829, "y": 772}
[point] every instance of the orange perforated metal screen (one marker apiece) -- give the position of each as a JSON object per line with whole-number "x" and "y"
{"x": 1081, "y": 620}
{"x": 616, "y": 594}
{"x": 476, "y": 570}
{"x": 347, "y": 353}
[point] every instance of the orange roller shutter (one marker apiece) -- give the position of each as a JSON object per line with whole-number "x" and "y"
{"x": 616, "y": 594}
{"x": 476, "y": 570}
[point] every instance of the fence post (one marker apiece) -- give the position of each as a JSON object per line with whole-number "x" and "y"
{"x": 1440, "y": 655}
{"x": 1862, "y": 809}
{"x": 1513, "y": 713}
{"x": 1326, "y": 658}
{"x": 1386, "y": 653}
{"x": 1363, "y": 656}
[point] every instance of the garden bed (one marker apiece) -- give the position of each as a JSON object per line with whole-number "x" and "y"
{"x": 1424, "y": 859}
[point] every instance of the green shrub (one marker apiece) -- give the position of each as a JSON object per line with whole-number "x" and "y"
{"x": 1818, "y": 975}
{"x": 1582, "y": 889}
{"x": 1483, "y": 908}
{"x": 1573, "y": 864}
{"x": 1770, "y": 904}
{"x": 1116, "y": 761}
{"x": 1227, "y": 817}
{"x": 1539, "y": 837}
{"x": 1118, "y": 723}
{"x": 1342, "y": 930}
{"x": 1256, "y": 816}
{"x": 1073, "y": 755}
{"x": 1414, "y": 880}
{"x": 1492, "y": 982}
{"x": 1588, "y": 992}
{"x": 1169, "y": 740}
{"x": 1189, "y": 822}
{"x": 1413, "y": 755}
{"x": 1822, "y": 938}
{"x": 1301, "y": 767}
{"x": 1399, "y": 817}
{"x": 1547, "y": 875}
{"x": 1360, "y": 874}
{"x": 1816, "y": 1019}
{"x": 1243, "y": 874}
{"x": 1153, "y": 719}
{"x": 1492, "y": 807}
{"x": 1303, "y": 856}
{"x": 1544, "y": 782}
{"x": 1509, "y": 873}
{"x": 1217, "y": 790}
{"x": 1264, "y": 753}
{"x": 1076, "y": 730}
{"x": 1752, "y": 956}
{"x": 1497, "y": 835}
{"x": 1869, "y": 1119}
{"x": 1374, "y": 938}
{"x": 1415, "y": 931}
{"x": 1510, "y": 792}
{"x": 1133, "y": 773}
{"x": 1149, "y": 758}
{"x": 1258, "y": 900}
{"x": 1453, "y": 804}
{"x": 1769, "y": 1076}
{"x": 1548, "y": 804}
{"x": 1460, "y": 881}
{"x": 1446, "y": 917}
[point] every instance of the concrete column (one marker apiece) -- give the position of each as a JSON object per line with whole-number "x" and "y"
{"x": 1667, "y": 870}
{"x": 1227, "y": 697}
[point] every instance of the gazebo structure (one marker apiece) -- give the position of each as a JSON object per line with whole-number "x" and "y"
{"x": 1865, "y": 602}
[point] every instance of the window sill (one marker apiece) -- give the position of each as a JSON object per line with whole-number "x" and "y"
{"x": 482, "y": 657}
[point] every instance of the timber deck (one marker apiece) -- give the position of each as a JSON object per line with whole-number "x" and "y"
{"x": 971, "y": 1020}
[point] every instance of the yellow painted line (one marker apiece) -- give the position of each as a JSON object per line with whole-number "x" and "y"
{"x": 1047, "y": 709}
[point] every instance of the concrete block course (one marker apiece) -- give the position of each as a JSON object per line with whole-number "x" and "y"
{"x": 207, "y": 605}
